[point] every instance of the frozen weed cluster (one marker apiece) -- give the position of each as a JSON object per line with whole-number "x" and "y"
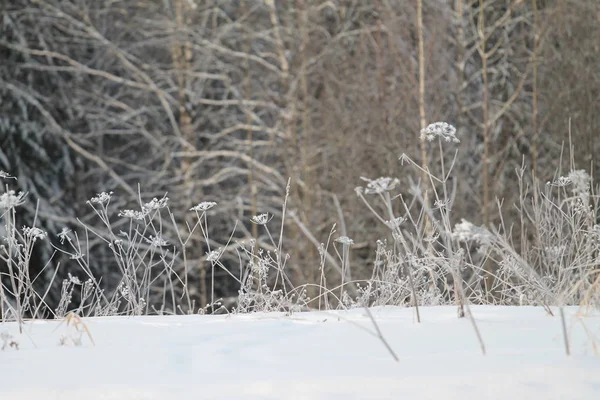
{"x": 424, "y": 257}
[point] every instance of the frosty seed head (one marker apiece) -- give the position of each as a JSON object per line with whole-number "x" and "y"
{"x": 345, "y": 240}
{"x": 261, "y": 219}
{"x": 10, "y": 200}
{"x": 101, "y": 198}
{"x": 203, "y": 206}
{"x": 442, "y": 130}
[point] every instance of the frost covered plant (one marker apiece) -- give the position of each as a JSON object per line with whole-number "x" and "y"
{"x": 380, "y": 185}
{"x": 156, "y": 204}
{"x": 101, "y": 198}
{"x": 157, "y": 241}
{"x": 134, "y": 214}
{"x": 395, "y": 223}
{"x": 441, "y": 203}
{"x": 11, "y": 200}
{"x": 76, "y": 256}
{"x": 345, "y": 240}
{"x": 203, "y": 206}
{"x": 442, "y": 130}
{"x": 580, "y": 180}
{"x": 73, "y": 279}
{"x": 116, "y": 244}
{"x": 213, "y": 256}
{"x": 261, "y": 219}
{"x": 465, "y": 231}
{"x": 34, "y": 233}
{"x": 345, "y": 258}
{"x": 562, "y": 181}
{"x": 64, "y": 235}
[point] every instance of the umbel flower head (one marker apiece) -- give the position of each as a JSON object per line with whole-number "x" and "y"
{"x": 101, "y": 198}
{"x": 10, "y": 199}
{"x": 34, "y": 233}
{"x": 133, "y": 214}
{"x": 442, "y": 130}
{"x": 580, "y": 180}
{"x": 261, "y": 219}
{"x": 345, "y": 240}
{"x": 156, "y": 204}
{"x": 380, "y": 185}
{"x": 203, "y": 206}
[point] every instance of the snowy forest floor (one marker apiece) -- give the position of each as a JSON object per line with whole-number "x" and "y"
{"x": 313, "y": 355}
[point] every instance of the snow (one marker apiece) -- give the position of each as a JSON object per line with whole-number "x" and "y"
{"x": 316, "y": 355}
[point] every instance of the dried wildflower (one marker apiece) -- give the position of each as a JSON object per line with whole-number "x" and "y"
{"x": 466, "y": 231}
{"x": 441, "y": 203}
{"x": 157, "y": 241}
{"x": 261, "y": 219}
{"x": 133, "y": 214}
{"x": 101, "y": 198}
{"x": 10, "y": 200}
{"x": 34, "y": 233}
{"x": 395, "y": 223}
{"x": 562, "y": 181}
{"x": 74, "y": 280}
{"x": 380, "y": 185}
{"x": 77, "y": 256}
{"x": 156, "y": 204}
{"x": 213, "y": 256}
{"x": 345, "y": 240}
{"x": 118, "y": 243}
{"x": 64, "y": 235}
{"x": 203, "y": 206}
{"x": 441, "y": 130}
{"x": 579, "y": 178}
{"x": 403, "y": 158}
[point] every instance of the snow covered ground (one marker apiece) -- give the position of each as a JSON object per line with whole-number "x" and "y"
{"x": 317, "y": 355}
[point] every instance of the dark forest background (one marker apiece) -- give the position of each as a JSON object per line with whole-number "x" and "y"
{"x": 223, "y": 100}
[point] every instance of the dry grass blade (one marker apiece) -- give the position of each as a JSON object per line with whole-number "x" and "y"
{"x": 77, "y": 323}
